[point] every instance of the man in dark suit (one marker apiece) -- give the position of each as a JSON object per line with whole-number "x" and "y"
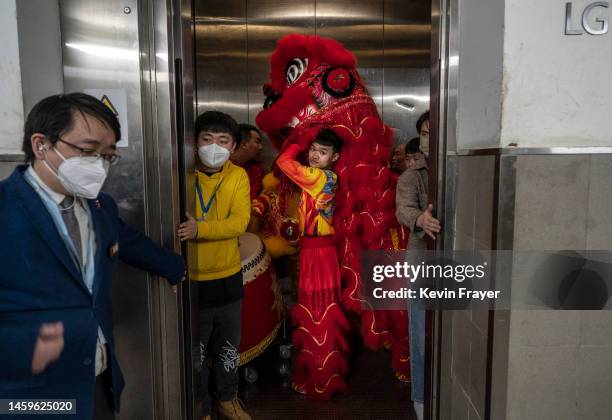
{"x": 59, "y": 245}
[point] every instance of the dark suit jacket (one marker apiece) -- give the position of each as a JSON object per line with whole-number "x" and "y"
{"x": 40, "y": 283}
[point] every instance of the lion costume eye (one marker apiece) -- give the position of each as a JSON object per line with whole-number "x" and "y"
{"x": 295, "y": 69}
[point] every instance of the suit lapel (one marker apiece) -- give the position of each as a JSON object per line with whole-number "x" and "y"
{"x": 43, "y": 222}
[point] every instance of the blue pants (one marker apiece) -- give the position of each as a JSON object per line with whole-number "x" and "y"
{"x": 417, "y": 350}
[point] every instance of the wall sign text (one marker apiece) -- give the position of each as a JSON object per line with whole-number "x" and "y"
{"x": 601, "y": 23}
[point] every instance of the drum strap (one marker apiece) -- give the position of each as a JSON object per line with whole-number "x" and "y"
{"x": 206, "y": 207}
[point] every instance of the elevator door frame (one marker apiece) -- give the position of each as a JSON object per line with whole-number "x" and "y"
{"x": 445, "y": 62}
{"x": 186, "y": 106}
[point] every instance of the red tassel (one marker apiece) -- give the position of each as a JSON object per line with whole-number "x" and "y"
{"x": 375, "y": 329}
{"x": 323, "y": 392}
{"x": 400, "y": 352}
{"x": 321, "y": 344}
{"x": 334, "y": 362}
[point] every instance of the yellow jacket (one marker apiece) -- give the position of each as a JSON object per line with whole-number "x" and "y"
{"x": 216, "y": 247}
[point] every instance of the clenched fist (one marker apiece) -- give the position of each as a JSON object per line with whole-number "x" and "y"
{"x": 48, "y": 347}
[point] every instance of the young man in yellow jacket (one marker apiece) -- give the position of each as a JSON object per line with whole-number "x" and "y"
{"x": 222, "y": 214}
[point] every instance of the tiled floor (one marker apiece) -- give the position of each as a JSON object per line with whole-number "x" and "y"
{"x": 374, "y": 393}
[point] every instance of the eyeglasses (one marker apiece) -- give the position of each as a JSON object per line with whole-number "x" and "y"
{"x": 111, "y": 158}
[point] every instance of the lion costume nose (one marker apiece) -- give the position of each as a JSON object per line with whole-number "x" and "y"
{"x": 267, "y": 89}
{"x": 271, "y": 96}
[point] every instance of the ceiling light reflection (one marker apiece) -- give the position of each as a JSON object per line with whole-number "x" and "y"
{"x": 107, "y": 52}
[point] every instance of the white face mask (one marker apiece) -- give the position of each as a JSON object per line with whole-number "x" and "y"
{"x": 213, "y": 156}
{"x": 82, "y": 176}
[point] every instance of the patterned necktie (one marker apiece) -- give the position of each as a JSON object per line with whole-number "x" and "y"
{"x": 72, "y": 225}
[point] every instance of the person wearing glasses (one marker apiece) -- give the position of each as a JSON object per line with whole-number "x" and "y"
{"x": 60, "y": 242}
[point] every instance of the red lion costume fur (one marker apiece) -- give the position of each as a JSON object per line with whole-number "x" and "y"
{"x": 313, "y": 85}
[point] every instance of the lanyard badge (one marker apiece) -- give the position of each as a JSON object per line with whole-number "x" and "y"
{"x": 205, "y": 207}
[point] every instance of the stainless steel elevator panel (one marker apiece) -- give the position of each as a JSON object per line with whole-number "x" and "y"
{"x": 100, "y": 44}
{"x": 407, "y": 33}
{"x": 406, "y": 55}
{"x": 221, "y": 57}
{"x": 405, "y": 98}
{"x": 100, "y": 51}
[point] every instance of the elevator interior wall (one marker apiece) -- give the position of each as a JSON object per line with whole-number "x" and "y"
{"x": 390, "y": 39}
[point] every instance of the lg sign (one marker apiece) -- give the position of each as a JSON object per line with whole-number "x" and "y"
{"x": 594, "y": 26}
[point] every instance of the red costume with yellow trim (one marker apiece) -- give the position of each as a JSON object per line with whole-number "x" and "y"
{"x": 314, "y": 85}
{"x": 319, "y": 319}
{"x": 278, "y": 228}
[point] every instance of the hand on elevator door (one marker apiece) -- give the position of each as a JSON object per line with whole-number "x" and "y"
{"x": 175, "y": 286}
{"x": 189, "y": 229}
{"x": 428, "y": 223}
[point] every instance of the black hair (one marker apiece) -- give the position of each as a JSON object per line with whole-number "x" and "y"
{"x": 53, "y": 116}
{"x": 244, "y": 133}
{"x": 216, "y": 122}
{"x": 421, "y": 120}
{"x": 327, "y": 137}
{"x": 413, "y": 146}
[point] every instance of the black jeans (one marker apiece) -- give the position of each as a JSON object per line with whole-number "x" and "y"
{"x": 220, "y": 338}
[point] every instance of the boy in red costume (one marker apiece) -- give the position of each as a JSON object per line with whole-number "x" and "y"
{"x": 319, "y": 339}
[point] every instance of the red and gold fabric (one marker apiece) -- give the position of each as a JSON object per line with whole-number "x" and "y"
{"x": 277, "y": 226}
{"x": 320, "y": 322}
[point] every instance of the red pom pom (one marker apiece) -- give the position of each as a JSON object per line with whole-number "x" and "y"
{"x": 338, "y": 79}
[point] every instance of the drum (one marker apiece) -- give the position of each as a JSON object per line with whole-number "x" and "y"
{"x": 262, "y": 305}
